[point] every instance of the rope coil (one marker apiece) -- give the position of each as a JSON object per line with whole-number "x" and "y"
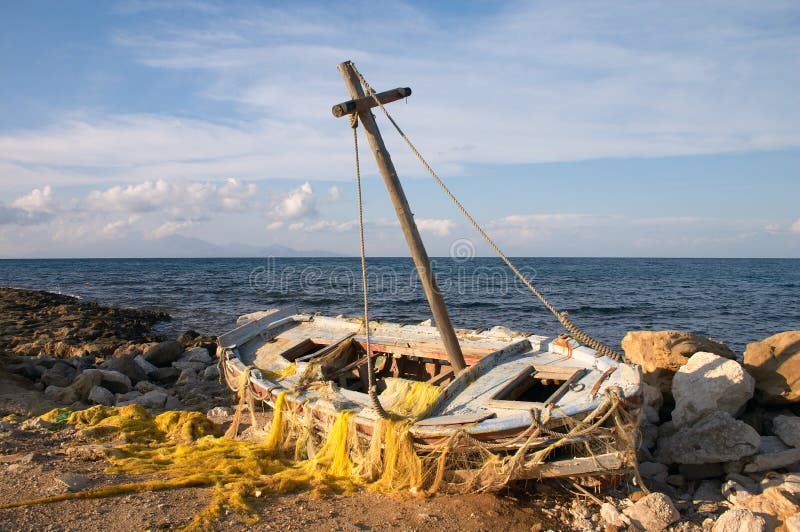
{"x": 562, "y": 317}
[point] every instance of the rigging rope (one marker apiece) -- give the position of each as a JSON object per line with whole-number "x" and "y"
{"x": 574, "y": 330}
{"x": 373, "y": 394}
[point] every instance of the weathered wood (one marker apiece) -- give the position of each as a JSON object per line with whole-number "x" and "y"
{"x": 591, "y": 465}
{"x": 406, "y": 218}
{"x": 460, "y": 419}
{"x": 368, "y": 102}
{"x": 325, "y": 350}
{"x": 441, "y": 377}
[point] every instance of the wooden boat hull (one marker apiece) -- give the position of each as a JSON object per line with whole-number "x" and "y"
{"x": 513, "y": 381}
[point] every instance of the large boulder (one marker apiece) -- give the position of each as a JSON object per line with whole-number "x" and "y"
{"x": 739, "y": 520}
{"x": 60, "y": 374}
{"x": 114, "y": 381}
{"x": 662, "y": 353}
{"x": 125, "y": 364}
{"x": 198, "y": 354}
{"x": 718, "y": 437}
{"x": 164, "y": 353}
{"x": 775, "y": 365}
{"x": 653, "y": 512}
{"x": 708, "y": 383}
{"x": 787, "y": 428}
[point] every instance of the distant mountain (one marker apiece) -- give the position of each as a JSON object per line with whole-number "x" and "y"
{"x": 174, "y": 246}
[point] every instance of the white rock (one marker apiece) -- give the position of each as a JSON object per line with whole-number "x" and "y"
{"x": 73, "y": 482}
{"x": 654, "y": 512}
{"x": 709, "y": 383}
{"x": 219, "y": 411}
{"x": 735, "y": 492}
{"x": 610, "y": 515}
{"x": 739, "y": 520}
{"x": 100, "y": 396}
{"x": 792, "y": 523}
{"x": 787, "y": 428}
{"x": 713, "y": 439}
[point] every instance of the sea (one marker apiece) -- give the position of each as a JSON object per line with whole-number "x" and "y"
{"x": 734, "y": 300}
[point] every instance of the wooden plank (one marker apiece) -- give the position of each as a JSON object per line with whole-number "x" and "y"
{"x": 367, "y": 102}
{"x": 441, "y": 377}
{"x": 425, "y": 349}
{"x": 591, "y": 465}
{"x": 455, "y": 419}
{"x": 325, "y": 350}
{"x": 246, "y": 332}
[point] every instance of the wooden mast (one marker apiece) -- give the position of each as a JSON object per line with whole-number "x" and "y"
{"x": 406, "y": 218}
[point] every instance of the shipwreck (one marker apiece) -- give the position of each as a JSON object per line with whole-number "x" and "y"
{"x": 480, "y": 407}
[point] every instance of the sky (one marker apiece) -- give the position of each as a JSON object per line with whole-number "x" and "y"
{"x": 656, "y": 129}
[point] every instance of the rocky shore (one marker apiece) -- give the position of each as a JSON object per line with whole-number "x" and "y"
{"x": 720, "y": 439}
{"x": 719, "y": 444}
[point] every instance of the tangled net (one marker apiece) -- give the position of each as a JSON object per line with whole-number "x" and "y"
{"x": 301, "y": 452}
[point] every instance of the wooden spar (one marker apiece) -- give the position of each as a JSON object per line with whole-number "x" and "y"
{"x": 406, "y": 218}
{"x": 368, "y": 102}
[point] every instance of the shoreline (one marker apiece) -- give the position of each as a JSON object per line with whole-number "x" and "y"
{"x": 49, "y": 336}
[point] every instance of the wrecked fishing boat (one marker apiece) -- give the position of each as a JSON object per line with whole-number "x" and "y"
{"x": 484, "y": 407}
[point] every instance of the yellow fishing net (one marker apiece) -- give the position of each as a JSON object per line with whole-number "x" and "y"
{"x": 302, "y": 450}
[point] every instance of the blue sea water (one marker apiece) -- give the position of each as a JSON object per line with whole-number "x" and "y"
{"x": 735, "y": 300}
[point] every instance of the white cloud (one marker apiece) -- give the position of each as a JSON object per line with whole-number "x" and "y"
{"x": 323, "y": 226}
{"x": 710, "y": 80}
{"x": 334, "y": 193}
{"x": 15, "y": 216}
{"x": 182, "y": 197}
{"x": 37, "y": 201}
{"x": 236, "y": 195}
{"x": 170, "y": 228}
{"x": 772, "y": 228}
{"x": 528, "y": 227}
{"x": 341, "y": 226}
{"x": 795, "y": 227}
{"x": 439, "y": 227}
{"x": 297, "y": 203}
{"x": 118, "y": 228}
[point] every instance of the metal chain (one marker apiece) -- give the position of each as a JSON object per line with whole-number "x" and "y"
{"x": 576, "y": 332}
{"x": 373, "y": 394}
